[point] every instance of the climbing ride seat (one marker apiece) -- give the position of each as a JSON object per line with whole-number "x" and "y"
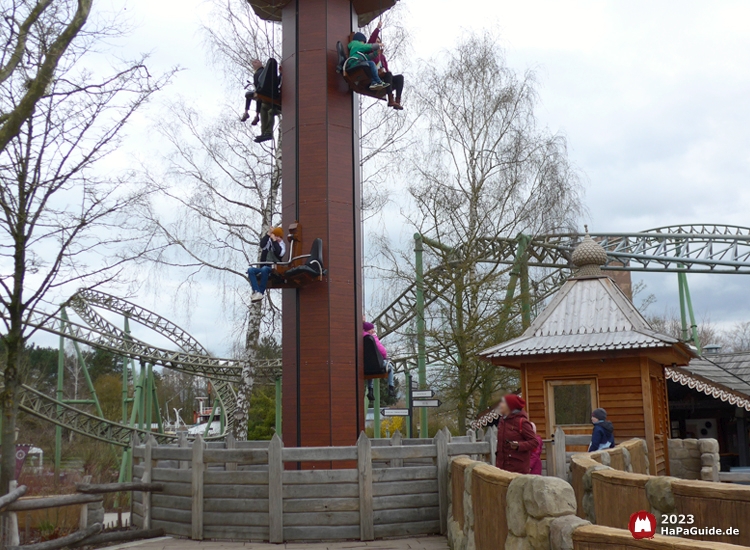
{"x": 356, "y": 76}
{"x": 312, "y": 268}
{"x": 374, "y": 362}
{"x": 300, "y": 269}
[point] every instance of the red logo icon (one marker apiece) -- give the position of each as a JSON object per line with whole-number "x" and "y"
{"x": 642, "y": 525}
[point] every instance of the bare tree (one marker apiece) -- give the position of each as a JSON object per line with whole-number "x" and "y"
{"x": 43, "y": 30}
{"x": 66, "y": 223}
{"x": 220, "y": 191}
{"x": 737, "y": 338}
{"x": 487, "y": 171}
{"x": 669, "y": 323}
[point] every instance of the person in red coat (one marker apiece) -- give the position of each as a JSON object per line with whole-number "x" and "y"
{"x": 535, "y": 461}
{"x": 515, "y": 436}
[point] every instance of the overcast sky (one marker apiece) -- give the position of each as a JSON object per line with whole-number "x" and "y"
{"x": 652, "y": 96}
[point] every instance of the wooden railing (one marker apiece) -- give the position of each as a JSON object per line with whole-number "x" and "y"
{"x": 89, "y": 533}
{"x": 556, "y": 451}
{"x": 378, "y": 488}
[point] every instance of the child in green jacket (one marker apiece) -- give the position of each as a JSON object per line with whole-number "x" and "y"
{"x": 362, "y": 52}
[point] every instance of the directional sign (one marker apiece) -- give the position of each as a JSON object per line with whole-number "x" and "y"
{"x": 422, "y": 394}
{"x": 394, "y": 412}
{"x": 426, "y": 403}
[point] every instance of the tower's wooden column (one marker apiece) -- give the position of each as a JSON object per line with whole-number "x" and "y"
{"x": 323, "y": 387}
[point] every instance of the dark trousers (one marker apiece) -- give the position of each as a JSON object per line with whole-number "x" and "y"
{"x": 268, "y": 113}
{"x": 397, "y": 83}
{"x": 248, "y": 101}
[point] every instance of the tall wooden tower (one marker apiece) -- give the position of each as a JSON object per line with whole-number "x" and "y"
{"x": 323, "y": 383}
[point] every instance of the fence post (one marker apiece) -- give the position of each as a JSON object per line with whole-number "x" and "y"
{"x": 559, "y": 462}
{"x": 472, "y": 439}
{"x": 549, "y": 453}
{"x": 364, "y": 467}
{"x": 397, "y": 441}
{"x": 148, "y": 465}
{"x": 230, "y": 444}
{"x": 276, "y": 490}
{"x": 489, "y": 437}
{"x": 441, "y": 445}
{"x": 182, "y": 443}
{"x": 197, "y": 489}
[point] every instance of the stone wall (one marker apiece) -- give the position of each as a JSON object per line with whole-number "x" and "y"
{"x": 694, "y": 459}
{"x": 630, "y": 456}
{"x": 499, "y": 509}
{"x": 533, "y": 504}
{"x": 502, "y": 510}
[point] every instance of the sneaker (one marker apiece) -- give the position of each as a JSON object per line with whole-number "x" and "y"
{"x": 383, "y": 85}
{"x": 263, "y": 137}
{"x": 370, "y": 395}
{"x": 244, "y": 117}
{"x": 256, "y": 297}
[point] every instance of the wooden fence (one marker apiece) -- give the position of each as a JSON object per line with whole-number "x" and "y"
{"x": 89, "y": 500}
{"x": 247, "y": 491}
{"x": 556, "y": 455}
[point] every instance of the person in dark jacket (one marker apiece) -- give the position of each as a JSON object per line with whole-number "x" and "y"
{"x": 515, "y": 436}
{"x": 269, "y": 96}
{"x": 603, "y": 436}
{"x": 250, "y": 94}
{"x": 272, "y": 250}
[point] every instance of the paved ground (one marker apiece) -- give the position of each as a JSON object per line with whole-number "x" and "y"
{"x": 166, "y": 543}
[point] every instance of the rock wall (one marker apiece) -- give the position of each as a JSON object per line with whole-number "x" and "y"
{"x": 630, "y": 456}
{"x": 500, "y": 509}
{"x": 533, "y": 504}
{"x": 694, "y": 459}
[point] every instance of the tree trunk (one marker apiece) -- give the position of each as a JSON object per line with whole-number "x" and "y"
{"x": 247, "y": 380}
{"x": 14, "y": 344}
{"x": 255, "y": 314}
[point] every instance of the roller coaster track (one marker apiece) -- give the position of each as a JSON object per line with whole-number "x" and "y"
{"x": 98, "y": 332}
{"x": 42, "y": 406}
{"x": 707, "y": 248}
{"x": 84, "y": 299}
{"x": 693, "y": 248}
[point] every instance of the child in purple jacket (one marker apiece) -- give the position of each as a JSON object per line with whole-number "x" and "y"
{"x": 368, "y": 329}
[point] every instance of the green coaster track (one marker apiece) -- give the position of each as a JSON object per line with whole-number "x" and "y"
{"x": 707, "y": 248}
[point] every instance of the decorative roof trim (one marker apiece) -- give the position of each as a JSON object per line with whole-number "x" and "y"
{"x": 484, "y": 420}
{"x": 707, "y": 387}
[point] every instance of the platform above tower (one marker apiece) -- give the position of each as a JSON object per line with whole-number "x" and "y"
{"x": 367, "y": 10}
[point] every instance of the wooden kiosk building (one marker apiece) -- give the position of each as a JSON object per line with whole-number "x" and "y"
{"x": 591, "y": 348}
